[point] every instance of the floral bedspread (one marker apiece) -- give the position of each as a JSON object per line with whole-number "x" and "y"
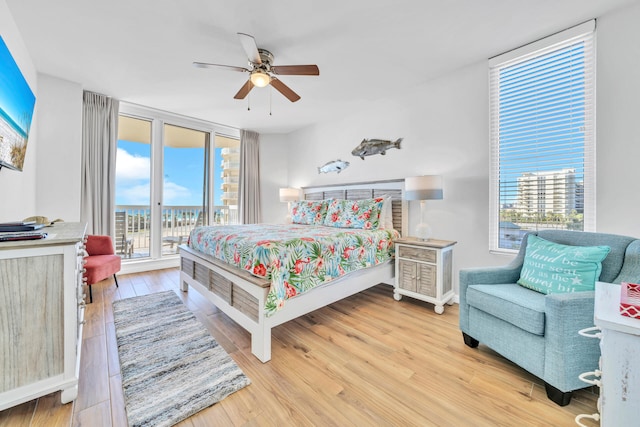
{"x": 294, "y": 257}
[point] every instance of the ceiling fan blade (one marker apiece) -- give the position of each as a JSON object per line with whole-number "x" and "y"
{"x": 250, "y": 47}
{"x": 244, "y": 90}
{"x": 284, "y": 89}
{"x": 208, "y": 65}
{"x": 296, "y": 70}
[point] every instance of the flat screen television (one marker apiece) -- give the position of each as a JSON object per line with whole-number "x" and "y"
{"x": 16, "y": 110}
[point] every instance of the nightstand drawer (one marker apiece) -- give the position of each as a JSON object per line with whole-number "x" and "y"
{"x": 418, "y": 254}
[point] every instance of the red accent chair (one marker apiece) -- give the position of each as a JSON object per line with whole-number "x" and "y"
{"x": 100, "y": 262}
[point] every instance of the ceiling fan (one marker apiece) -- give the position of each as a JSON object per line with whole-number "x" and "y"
{"x": 261, "y": 70}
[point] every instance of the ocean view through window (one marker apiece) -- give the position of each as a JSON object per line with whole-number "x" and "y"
{"x": 542, "y": 137}
{"x": 169, "y": 179}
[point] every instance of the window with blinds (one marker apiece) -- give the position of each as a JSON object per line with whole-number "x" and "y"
{"x": 542, "y": 137}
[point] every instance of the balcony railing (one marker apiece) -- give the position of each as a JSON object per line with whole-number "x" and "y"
{"x": 231, "y": 179}
{"x": 177, "y": 223}
{"x": 228, "y": 151}
{"x": 227, "y": 164}
{"x": 229, "y": 195}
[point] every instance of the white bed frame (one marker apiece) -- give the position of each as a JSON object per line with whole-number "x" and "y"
{"x": 242, "y": 296}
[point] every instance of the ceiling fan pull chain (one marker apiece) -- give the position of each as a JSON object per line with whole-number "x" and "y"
{"x": 270, "y": 92}
{"x": 248, "y": 102}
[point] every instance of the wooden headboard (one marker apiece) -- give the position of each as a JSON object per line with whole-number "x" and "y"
{"x": 366, "y": 190}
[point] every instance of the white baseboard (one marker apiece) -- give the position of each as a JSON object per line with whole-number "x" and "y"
{"x": 140, "y": 265}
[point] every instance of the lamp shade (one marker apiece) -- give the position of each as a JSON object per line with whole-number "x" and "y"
{"x": 289, "y": 194}
{"x": 426, "y": 187}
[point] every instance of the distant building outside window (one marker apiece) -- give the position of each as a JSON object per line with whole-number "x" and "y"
{"x": 543, "y": 137}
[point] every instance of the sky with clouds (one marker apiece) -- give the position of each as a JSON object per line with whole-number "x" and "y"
{"x": 183, "y": 175}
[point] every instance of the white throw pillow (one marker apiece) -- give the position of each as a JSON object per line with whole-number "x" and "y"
{"x": 386, "y": 214}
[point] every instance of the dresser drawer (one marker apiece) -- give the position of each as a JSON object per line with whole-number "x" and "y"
{"x": 418, "y": 254}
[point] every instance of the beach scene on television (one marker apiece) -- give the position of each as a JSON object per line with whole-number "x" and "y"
{"x": 16, "y": 110}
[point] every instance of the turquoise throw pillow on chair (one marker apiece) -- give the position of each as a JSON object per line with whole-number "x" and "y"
{"x": 555, "y": 268}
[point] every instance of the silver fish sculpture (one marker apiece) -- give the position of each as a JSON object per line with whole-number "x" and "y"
{"x": 369, "y": 147}
{"x": 333, "y": 166}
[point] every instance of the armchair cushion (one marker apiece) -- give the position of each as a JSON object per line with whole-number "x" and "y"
{"x": 551, "y": 267}
{"x": 99, "y": 245}
{"x": 512, "y": 303}
{"x": 99, "y": 267}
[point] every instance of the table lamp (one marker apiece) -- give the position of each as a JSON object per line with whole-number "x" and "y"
{"x": 426, "y": 187}
{"x": 289, "y": 195}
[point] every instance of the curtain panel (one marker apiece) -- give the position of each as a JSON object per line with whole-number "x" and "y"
{"x": 99, "y": 145}
{"x": 249, "y": 183}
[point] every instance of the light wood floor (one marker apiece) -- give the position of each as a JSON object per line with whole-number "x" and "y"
{"x": 365, "y": 361}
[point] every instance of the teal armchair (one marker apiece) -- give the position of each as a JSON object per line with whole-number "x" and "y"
{"x": 536, "y": 331}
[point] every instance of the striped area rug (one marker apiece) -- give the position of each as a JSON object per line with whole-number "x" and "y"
{"x": 171, "y": 366}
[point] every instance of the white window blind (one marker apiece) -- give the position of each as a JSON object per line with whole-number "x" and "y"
{"x": 542, "y": 137}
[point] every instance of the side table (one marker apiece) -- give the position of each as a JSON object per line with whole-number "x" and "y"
{"x": 424, "y": 270}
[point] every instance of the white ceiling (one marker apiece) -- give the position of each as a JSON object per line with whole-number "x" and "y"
{"x": 141, "y": 51}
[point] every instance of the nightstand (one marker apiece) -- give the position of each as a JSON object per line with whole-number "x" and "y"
{"x": 424, "y": 270}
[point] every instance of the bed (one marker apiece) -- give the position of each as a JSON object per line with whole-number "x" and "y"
{"x": 249, "y": 299}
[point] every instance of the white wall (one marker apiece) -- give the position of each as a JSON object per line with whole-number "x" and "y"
{"x": 49, "y": 184}
{"x": 618, "y": 115}
{"x": 18, "y": 189}
{"x": 445, "y": 126}
{"x": 59, "y": 148}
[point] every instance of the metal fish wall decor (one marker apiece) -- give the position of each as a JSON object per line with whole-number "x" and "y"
{"x": 333, "y": 166}
{"x": 369, "y": 147}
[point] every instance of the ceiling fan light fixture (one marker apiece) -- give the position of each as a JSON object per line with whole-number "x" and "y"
{"x": 261, "y": 70}
{"x": 260, "y": 79}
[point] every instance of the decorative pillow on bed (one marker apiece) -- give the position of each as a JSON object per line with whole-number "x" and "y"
{"x": 386, "y": 214}
{"x": 310, "y": 212}
{"x": 554, "y": 268}
{"x": 363, "y": 214}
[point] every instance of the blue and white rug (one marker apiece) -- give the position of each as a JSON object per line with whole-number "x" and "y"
{"x": 171, "y": 366}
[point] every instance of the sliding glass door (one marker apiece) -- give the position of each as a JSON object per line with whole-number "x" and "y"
{"x": 162, "y": 189}
{"x": 185, "y": 189}
{"x": 172, "y": 174}
{"x": 133, "y": 188}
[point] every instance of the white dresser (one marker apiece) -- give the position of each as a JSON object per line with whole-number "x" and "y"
{"x": 619, "y": 367}
{"x": 41, "y": 315}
